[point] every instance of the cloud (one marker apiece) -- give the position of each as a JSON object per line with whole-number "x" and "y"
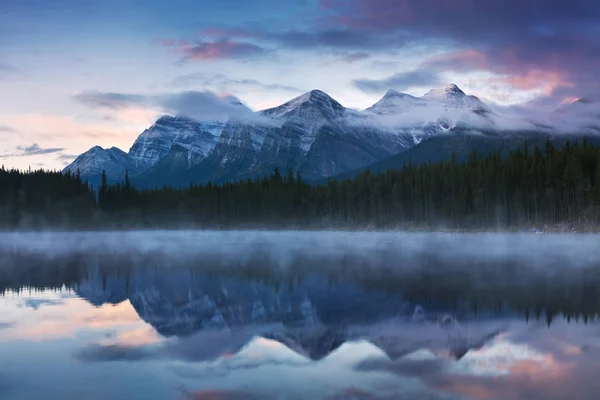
{"x": 4, "y": 128}
{"x": 458, "y": 61}
{"x": 236, "y": 43}
{"x": 98, "y": 353}
{"x": 262, "y": 85}
{"x": 400, "y": 81}
{"x": 517, "y": 40}
{"x": 67, "y": 156}
{"x": 335, "y": 38}
{"x": 315, "y": 37}
{"x": 549, "y": 50}
{"x": 351, "y": 57}
{"x": 33, "y": 150}
{"x": 462, "y": 17}
{"x": 108, "y": 100}
{"x": 225, "y": 83}
{"x": 207, "y": 50}
{"x": 199, "y": 105}
{"x": 6, "y": 325}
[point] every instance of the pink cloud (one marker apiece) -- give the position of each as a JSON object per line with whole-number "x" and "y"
{"x": 513, "y": 71}
{"x": 221, "y": 49}
{"x": 460, "y": 61}
{"x": 523, "y": 39}
{"x": 212, "y": 50}
{"x": 546, "y": 81}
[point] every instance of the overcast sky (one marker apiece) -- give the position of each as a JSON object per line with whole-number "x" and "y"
{"x": 72, "y": 72}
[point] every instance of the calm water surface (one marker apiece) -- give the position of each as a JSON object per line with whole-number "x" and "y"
{"x": 261, "y": 315}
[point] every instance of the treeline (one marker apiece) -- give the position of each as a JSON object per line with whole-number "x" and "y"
{"x": 39, "y": 199}
{"x": 530, "y": 188}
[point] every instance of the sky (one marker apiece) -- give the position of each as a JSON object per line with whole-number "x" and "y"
{"x": 74, "y": 74}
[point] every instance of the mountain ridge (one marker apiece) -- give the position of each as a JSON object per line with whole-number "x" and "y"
{"x": 312, "y": 134}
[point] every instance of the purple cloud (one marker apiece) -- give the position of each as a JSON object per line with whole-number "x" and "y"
{"x": 526, "y": 41}
{"x": 207, "y": 50}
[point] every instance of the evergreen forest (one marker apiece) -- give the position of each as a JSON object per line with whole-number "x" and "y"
{"x": 545, "y": 188}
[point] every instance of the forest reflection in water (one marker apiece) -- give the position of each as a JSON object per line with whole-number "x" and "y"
{"x": 298, "y": 315}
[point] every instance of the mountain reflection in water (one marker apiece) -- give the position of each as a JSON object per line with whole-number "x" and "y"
{"x": 298, "y": 315}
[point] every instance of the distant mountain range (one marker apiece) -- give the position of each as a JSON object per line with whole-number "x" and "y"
{"x": 316, "y": 136}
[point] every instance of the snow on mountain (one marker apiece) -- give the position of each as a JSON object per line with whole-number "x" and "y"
{"x": 197, "y": 138}
{"x": 308, "y": 112}
{"x": 437, "y": 111}
{"x": 312, "y": 134}
{"x": 394, "y": 102}
{"x": 453, "y": 96}
{"x": 114, "y": 161}
{"x": 311, "y": 106}
{"x": 155, "y": 142}
{"x": 437, "y": 103}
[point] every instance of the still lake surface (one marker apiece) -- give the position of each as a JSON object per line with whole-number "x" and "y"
{"x": 299, "y": 315}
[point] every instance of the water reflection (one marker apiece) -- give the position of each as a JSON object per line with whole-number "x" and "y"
{"x": 267, "y": 319}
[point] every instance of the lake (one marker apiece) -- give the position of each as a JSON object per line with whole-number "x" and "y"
{"x": 299, "y": 315}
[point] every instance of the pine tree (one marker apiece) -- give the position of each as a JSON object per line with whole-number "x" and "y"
{"x": 102, "y": 193}
{"x": 127, "y": 183}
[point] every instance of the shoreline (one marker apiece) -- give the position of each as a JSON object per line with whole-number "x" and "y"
{"x": 558, "y": 229}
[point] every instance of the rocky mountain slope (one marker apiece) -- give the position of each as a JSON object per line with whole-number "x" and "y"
{"x": 312, "y": 134}
{"x": 115, "y": 162}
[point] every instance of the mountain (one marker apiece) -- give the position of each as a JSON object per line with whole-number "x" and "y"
{"x": 198, "y": 138}
{"x": 453, "y": 96}
{"x": 460, "y": 143}
{"x": 393, "y": 102}
{"x": 435, "y": 112}
{"x": 312, "y": 134}
{"x": 114, "y": 161}
{"x": 450, "y": 97}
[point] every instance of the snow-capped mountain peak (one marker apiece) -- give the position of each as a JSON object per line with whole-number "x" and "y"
{"x": 453, "y": 89}
{"x": 395, "y": 102}
{"x": 315, "y": 101}
{"x": 452, "y": 96}
{"x": 448, "y": 92}
{"x": 449, "y": 97}
{"x": 393, "y": 93}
